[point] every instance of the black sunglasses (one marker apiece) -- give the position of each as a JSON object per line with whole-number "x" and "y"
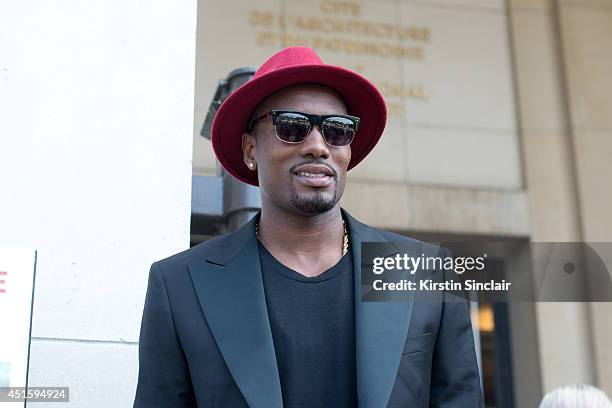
{"x": 294, "y": 126}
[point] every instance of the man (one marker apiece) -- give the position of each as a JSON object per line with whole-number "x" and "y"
{"x": 270, "y": 315}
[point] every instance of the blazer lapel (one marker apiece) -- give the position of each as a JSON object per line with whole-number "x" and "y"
{"x": 230, "y": 290}
{"x": 381, "y": 329}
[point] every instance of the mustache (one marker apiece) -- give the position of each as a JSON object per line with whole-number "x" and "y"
{"x": 322, "y": 163}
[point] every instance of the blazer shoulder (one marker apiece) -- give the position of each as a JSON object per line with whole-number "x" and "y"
{"x": 198, "y": 252}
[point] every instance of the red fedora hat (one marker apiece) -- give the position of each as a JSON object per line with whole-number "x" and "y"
{"x": 290, "y": 66}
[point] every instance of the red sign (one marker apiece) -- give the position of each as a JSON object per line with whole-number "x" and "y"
{"x": 2, "y": 281}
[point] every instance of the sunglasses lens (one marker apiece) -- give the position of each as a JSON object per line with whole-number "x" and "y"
{"x": 338, "y": 131}
{"x": 292, "y": 127}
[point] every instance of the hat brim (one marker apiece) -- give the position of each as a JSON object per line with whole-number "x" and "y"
{"x": 360, "y": 95}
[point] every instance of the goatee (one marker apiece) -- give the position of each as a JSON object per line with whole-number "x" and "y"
{"x": 315, "y": 203}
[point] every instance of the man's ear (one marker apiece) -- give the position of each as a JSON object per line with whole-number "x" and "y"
{"x": 249, "y": 150}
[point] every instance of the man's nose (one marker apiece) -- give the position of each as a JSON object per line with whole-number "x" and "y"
{"x": 315, "y": 144}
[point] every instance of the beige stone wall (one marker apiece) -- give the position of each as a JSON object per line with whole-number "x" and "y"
{"x": 586, "y": 33}
{"x": 563, "y": 60}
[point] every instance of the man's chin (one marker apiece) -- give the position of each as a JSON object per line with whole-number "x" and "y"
{"x": 317, "y": 203}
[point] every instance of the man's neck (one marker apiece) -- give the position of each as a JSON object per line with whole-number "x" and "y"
{"x": 307, "y": 244}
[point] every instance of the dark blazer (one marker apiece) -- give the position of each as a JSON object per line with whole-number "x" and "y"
{"x": 205, "y": 338}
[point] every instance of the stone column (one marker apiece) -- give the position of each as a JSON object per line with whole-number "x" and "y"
{"x": 586, "y": 37}
{"x": 563, "y": 328}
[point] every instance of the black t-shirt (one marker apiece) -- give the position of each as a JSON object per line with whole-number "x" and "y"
{"x": 313, "y": 328}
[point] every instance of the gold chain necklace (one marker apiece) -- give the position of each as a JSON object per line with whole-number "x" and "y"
{"x": 345, "y": 241}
